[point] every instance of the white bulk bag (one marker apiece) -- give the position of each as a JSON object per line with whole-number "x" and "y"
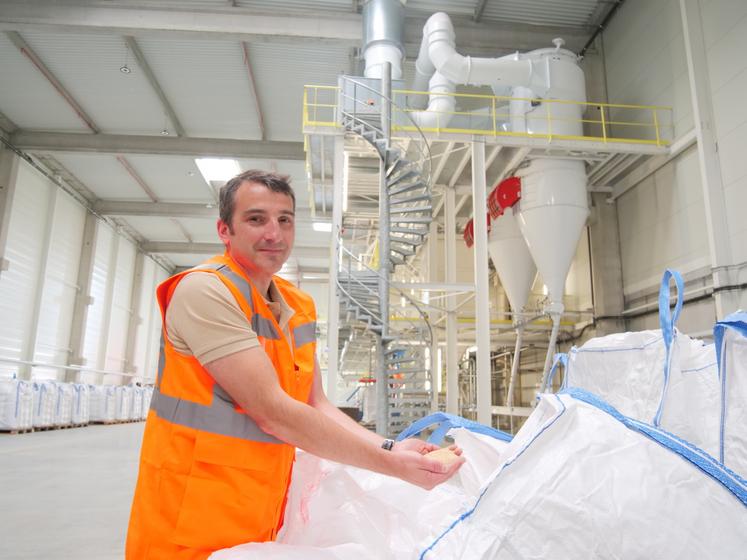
{"x": 45, "y": 402}
{"x": 81, "y": 404}
{"x": 731, "y": 345}
{"x": 103, "y": 403}
{"x": 136, "y": 412}
{"x": 16, "y": 404}
{"x": 63, "y": 410}
{"x": 661, "y": 376}
{"x": 123, "y": 402}
{"x": 584, "y": 481}
{"x": 147, "y": 397}
{"x": 579, "y": 480}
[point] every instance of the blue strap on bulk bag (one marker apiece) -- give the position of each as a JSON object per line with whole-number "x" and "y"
{"x": 736, "y": 322}
{"x": 561, "y": 358}
{"x": 446, "y": 422}
{"x": 667, "y": 321}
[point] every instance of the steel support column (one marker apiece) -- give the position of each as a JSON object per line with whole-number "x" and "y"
{"x": 382, "y": 377}
{"x": 333, "y": 301}
{"x": 8, "y": 177}
{"x": 136, "y": 321}
{"x": 482, "y": 285}
{"x": 432, "y": 314}
{"x": 719, "y": 243}
{"x": 452, "y": 370}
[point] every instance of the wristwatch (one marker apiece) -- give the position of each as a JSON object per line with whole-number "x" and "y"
{"x": 387, "y": 444}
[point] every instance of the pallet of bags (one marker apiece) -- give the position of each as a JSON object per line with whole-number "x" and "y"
{"x": 63, "y": 412}
{"x": 103, "y": 401}
{"x": 45, "y": 401}
{"x": 136, "y": 412}
{"x": 123, "y": 403}
{"x": 147, "y": 397}
{"x": 16, "y": 405}
{"x": 81, "y": 404}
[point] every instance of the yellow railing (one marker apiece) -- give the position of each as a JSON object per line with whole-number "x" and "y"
{"x": 489, "y": 115}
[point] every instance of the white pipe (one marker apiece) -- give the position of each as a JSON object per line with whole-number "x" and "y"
{"x": 441, "y": 104}
{"x": 514, "y": 373}
{"x": 438, "y": 50}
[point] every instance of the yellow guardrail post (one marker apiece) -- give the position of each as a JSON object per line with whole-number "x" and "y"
{"x": 316, "y": 101}
{"x": 656, "y": 127}
{"x": 305, "y": 112}
{"x": 604, "y": 124}
{"x": 493, "y": 113}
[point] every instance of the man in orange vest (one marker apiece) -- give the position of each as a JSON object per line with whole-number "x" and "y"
{"x": 238, "y": 388}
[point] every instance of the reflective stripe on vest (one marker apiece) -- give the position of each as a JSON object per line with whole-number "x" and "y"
{"x": 305, "y": 333}
{"x": 220, "y": 417}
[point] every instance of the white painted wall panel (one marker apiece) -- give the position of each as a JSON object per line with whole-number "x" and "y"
{"x": 60, "y": 288}
{"x": 120, "y": 306}
{"x": 24, "y": 251}
{"x": 95, "y": 327}
{"x": 662, "y": 224}
{"x": 645, "y": 60}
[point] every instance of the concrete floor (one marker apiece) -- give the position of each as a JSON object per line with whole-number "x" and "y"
{"x": 66, "y": 494}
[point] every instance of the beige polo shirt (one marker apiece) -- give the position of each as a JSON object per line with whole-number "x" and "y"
{"x": 204, "y": 320}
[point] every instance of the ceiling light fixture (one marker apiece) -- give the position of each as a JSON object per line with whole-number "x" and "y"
{"x": 125, "y": 69}
{"x": 322, "y": 226}
{"x": 218, "y": 169}
{"x": 164, "y": 132}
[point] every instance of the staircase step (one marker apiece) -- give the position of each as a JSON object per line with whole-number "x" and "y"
{"x": 406, "y": 188}
{"x": 403, "y": 177}
{"x": 412, "y": 210}
{"x": 397, "y": 167}
{"x": 404, "y": 252}
{"x": 410, "y": 199}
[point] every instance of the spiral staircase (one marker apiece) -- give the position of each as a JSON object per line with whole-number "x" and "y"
{"x": 406, "y": 165}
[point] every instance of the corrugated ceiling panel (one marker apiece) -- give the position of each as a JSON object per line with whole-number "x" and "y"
{"x": 451, "y": 7}
{"x": 282, "y": 70}
{"x": 207, "y": 84}
{"x": 103, "y": 175}
{"x": 311, "y": 5}
{"x": 202, "y": 230}
{"x": 155, "y": 228}
{"x": 571, "y": 13}
{"x": 88, "y": 66}
{"x": 32, "y": 102}
{"x": 172, "y": 178}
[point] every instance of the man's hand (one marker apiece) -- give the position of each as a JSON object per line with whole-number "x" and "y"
{"x": 422, "y": 471}
{"x": 420, "y": 446}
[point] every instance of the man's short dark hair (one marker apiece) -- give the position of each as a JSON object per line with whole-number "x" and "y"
{"x": 273, "y": 181}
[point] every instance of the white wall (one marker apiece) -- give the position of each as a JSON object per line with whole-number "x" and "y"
{"x": 39, "y": 289}
{"x": 662, "y": 221}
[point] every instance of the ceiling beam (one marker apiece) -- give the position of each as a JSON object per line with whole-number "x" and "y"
{"x": 6, "y": 124}
{"x": 335, "y": 27}
{"x": 479, "y": 9}
{"x": 151, "y": 77}
{"x": 159, "y": 209}
{"x": 301, "y": 252}
{"x": 255, "y": 93}
{"x": 156, "y": 145}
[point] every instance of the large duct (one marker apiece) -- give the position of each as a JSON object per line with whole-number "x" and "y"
{"x": 383, "y": 33}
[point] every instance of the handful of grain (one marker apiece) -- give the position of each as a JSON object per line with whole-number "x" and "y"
{"x": 443, "y": 455}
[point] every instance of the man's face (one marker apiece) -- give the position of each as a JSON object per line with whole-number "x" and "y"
{"x": 260, "y": 236}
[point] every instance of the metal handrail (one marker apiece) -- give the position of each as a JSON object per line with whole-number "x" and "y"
{"x": 414, "y": 302}
{"x": 403, "y": 111}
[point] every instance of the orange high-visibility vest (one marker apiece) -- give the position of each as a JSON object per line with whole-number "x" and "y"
{"x": 210, "y": 478}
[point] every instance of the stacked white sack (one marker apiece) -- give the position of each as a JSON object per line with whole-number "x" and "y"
{"x": 63, "y": 410}
{"x": 103, "y": 403}
{"x": 81, "y": 404}
{"x": 45, "y": 402}
{"x": 124, "y": 402}
{"x": 16, "y": 404}
{"x": 147, "y": 397}
{"x": 136, "y": 412}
